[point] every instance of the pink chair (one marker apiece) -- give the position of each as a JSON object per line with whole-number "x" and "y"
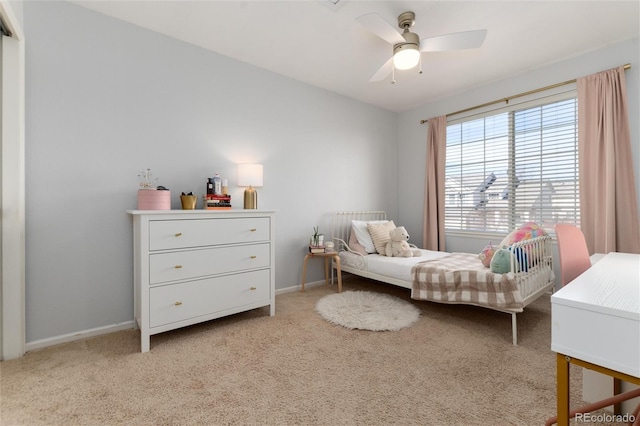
{"x": 573, "y": 252}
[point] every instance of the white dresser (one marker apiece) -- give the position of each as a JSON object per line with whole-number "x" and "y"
{"x": 196, "y": 265}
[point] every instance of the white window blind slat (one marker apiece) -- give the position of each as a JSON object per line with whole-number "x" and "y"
{"x": 512, "y": 166}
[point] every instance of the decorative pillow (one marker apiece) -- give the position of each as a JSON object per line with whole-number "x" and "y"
{"x": 501, "y": 261}
{"x": 380, "y": 235}
{"x": 355, "y": 245}
{"x": 486, "y": 254}
{"x": 525, "y": 232}
{"x": 362, "y": 233}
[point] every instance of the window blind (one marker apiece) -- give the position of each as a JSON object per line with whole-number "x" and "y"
{"x": 513, "y": 165}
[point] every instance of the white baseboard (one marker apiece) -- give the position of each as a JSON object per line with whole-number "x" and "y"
{"x": 84, "y": 334}
{"x": 298, "y": 287}
{"x": 79, "y": 335}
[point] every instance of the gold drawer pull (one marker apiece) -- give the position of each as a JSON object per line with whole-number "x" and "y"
{"x": 179, "y": 234}
{"x": 178, "y": 267}
{"x": 253, "y": 288}
{"x": 253, "y": 229}
{"x": 178, "y": 303}
{"x": 253, "y": 257}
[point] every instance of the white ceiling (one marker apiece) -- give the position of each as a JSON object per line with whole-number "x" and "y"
{"x": 320, "y": 44}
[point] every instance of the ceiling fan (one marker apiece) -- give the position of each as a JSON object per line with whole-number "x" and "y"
{"x": 407, "y": 46}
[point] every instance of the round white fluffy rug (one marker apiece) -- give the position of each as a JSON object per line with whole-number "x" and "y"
{"x": 365, "y": 310}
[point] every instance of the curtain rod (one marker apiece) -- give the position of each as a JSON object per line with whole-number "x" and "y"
{"x": 519, "y": 95}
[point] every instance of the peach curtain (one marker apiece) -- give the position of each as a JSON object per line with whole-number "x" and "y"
{"x": 433, "y": 217}
{"x": 608, "y": 198}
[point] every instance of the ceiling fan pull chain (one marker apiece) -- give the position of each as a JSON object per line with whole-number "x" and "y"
{"x": 393, "y": 75}
{"x": 420, "y": 62}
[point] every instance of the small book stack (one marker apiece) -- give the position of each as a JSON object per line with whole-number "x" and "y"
{"x": 218, "y": 202}
{"x": 317, "y": 249}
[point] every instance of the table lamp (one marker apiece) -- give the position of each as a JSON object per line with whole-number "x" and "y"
{"x": 250, "y": 175}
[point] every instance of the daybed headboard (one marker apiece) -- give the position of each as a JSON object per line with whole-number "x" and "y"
{"x": 341, "y": 224}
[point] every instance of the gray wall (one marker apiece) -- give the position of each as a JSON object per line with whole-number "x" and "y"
{"x": 17, "y": 8}
{"x": 106, "y": 99}
{"x": 413, "y": 136}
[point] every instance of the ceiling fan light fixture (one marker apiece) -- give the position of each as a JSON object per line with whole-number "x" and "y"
{"x": 408, "y": 47}
{"x": 406, "y": 56}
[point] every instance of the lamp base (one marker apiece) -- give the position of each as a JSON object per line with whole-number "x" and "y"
{"x": 250, "y": 198}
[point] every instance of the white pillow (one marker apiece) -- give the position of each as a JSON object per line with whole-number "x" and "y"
{"x": 362, "y": 233}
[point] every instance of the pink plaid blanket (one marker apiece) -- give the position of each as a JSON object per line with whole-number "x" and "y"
{"x": 462, "y": 278}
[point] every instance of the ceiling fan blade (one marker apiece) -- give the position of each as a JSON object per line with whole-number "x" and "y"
{"x": 374, "y": 23}
{"x": 453, "y": 41}
{"x": 383, "y": 71}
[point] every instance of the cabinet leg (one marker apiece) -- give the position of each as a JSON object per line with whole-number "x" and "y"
{"x": 304, "y": 271}
{"x": 617, "y": 390}
{"x": 145, "y": 342}
{"x": 562, "y": 378}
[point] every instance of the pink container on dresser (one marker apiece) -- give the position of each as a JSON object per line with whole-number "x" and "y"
{"x": 152, "y": 199}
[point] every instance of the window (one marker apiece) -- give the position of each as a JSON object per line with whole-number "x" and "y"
{"x": 514, "y": 165}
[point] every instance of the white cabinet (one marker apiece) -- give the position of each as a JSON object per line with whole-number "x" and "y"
{"x": 596, "y": 317}
{"x": 196, "y": 265}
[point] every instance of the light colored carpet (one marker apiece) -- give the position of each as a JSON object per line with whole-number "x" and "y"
{"x": 455, "y": 366}
{"x": 366, "y": 310}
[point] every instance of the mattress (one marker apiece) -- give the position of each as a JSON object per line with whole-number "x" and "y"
{"x": 394, "y": 267}
{"x": 398, "y": 271}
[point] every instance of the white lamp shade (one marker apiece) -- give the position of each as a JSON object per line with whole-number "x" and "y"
{"x": 250, "y": 175}
{"x": 407, "y": 57}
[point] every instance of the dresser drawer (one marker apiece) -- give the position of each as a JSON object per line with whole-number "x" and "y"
{"x": 188, "y": 264}
{"x": 183, "y": 301}
{"x": 173, "y": 234}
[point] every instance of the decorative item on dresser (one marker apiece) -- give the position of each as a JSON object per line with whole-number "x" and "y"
{"x": 250, "y": 175}
{"x": 192, "y": 266}
{"x": 188, "y": 201}
{"x": 150, "y": 195}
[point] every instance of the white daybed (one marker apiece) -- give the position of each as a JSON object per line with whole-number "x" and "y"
{"x": 455, "y": 278}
